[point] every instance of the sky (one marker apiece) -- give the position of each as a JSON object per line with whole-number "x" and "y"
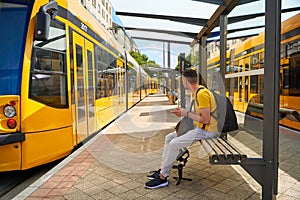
{"x": 184, "y": 8}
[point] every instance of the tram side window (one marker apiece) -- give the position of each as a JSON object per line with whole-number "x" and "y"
{"x": 261, "y": 60}
{"x": 261, "y": 79}
{"x": 286, "y": 78}
{"x": 105, "y": 76}
{"x": 294, "y": 75}
{"x": 254, "y": 84}
{"x": 48, "y": 77}
{"x": 236, "y": 84}
{"x": 132, "y": 80}
{"x": 247, "y": 67}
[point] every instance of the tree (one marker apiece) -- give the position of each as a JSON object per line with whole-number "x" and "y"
{"x": 187, "y": 62}
{"x": 142, "y": 60}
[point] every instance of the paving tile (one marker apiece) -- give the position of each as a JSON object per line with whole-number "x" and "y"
{"x": 130, "y": 194}
{"x": 293, "y": 193}
{"x": 286, "y": 197}
{"x": 142, "y": 190}
{"x": 40, "y": 192}
{"x": 84, "y": 184}
{"x": 49, "y": 184}
{"x": 156, "y": 194}
{"x": 76, "y": 194}
{"x": 34, "y": 198}
{"x": 94, "y": 191}
{"x": 117, "y": 190}
{"x": 242, "y": 191}
{"x": 132, "y": 184}
{"x": 58, "y": 192}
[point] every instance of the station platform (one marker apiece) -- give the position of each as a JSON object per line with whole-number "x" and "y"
{"x": 114, "y": 164}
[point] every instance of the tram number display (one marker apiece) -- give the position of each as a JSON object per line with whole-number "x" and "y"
{"x": 84, "y": 27}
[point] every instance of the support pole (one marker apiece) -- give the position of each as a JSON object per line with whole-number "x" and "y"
{"x": 169, "y": 55}
{"x": 182, "y": 89}
{"x": 164, "y": 56}
{"x": 126, "y": 81}
{"x": 223, "y": 46}
{"x": 125, "y": 68}
{"x": 202, "y": 68}
{"x": 271, "y": 91}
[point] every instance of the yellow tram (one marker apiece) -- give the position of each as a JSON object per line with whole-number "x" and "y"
{"x": 62, "y": 79}
{"x": 244, "y": 79}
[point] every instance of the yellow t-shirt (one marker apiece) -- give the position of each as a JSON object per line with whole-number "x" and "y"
{"x": 206, "y": 100}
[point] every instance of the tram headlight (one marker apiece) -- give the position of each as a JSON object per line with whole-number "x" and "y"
{"x": 9, "y": 111}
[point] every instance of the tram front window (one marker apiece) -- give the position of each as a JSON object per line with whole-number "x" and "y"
{"x": 48, "y": 82}
{"x": 13, "y": 25}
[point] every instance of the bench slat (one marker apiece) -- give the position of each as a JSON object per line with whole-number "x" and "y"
{"x": 226, "y": 151}
{"x": 221, "y": 151}
{"x": 221, "y": 156}
{"x": 235, "y": 155}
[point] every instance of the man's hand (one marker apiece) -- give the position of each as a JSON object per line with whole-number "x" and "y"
{"x": 179, "y": 112}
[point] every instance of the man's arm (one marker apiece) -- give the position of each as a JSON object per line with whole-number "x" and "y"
{"x": 203, "y": 118}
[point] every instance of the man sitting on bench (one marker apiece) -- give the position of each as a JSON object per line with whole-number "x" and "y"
{"x": 205, "y": 127}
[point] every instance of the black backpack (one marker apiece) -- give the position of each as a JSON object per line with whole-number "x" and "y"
{"x": 224, "y": 113}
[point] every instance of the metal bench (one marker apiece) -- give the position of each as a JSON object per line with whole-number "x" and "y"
{"x": 220, "y": 152}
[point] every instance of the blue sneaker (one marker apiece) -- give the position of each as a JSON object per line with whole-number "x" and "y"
{"x": 157, "y": 183}
{"x": 154, "y": 174}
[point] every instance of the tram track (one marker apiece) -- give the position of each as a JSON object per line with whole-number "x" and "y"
{"x": 13, "y": 182}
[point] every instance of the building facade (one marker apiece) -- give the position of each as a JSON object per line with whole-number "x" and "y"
{"x": 101, "y": 10}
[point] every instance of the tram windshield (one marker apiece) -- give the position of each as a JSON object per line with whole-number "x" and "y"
{"x": 13, "y": 25}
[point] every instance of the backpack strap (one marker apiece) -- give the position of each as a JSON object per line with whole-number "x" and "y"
{"x": 192, "y": 102}
{"x": 197, "y": 102}
{"x": 196, "y": 94}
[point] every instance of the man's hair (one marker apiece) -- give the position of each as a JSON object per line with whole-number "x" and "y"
{"x": 190, "y": 75}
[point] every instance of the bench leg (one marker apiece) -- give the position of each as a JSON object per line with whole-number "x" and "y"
{"x": 179, "y": 178}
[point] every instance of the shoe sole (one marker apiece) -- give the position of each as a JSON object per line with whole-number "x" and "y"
{"x": 151, "y": 178}
{"x": 158, "y": 186}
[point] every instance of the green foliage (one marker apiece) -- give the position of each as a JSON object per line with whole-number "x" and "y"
{"x": 187, "y": 62}
{"x": 142, "y": 60}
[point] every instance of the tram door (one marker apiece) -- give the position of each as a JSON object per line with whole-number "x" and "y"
{"x": 84, "y": 87}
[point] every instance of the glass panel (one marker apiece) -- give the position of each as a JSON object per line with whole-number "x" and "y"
{"x": 132, "y": 80}
{"x": 72, "y": 70}
{"x": 290, "y": 67}
{"x": 289, "y": 88}
{"x": 48, "y": 83}
{"x": 106, "y": 73}
{"x": 243, "y": 73}
{"x": 91, "y": 88}
{"x": 80, "y": 84}
{"x": 13, "y": 26}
